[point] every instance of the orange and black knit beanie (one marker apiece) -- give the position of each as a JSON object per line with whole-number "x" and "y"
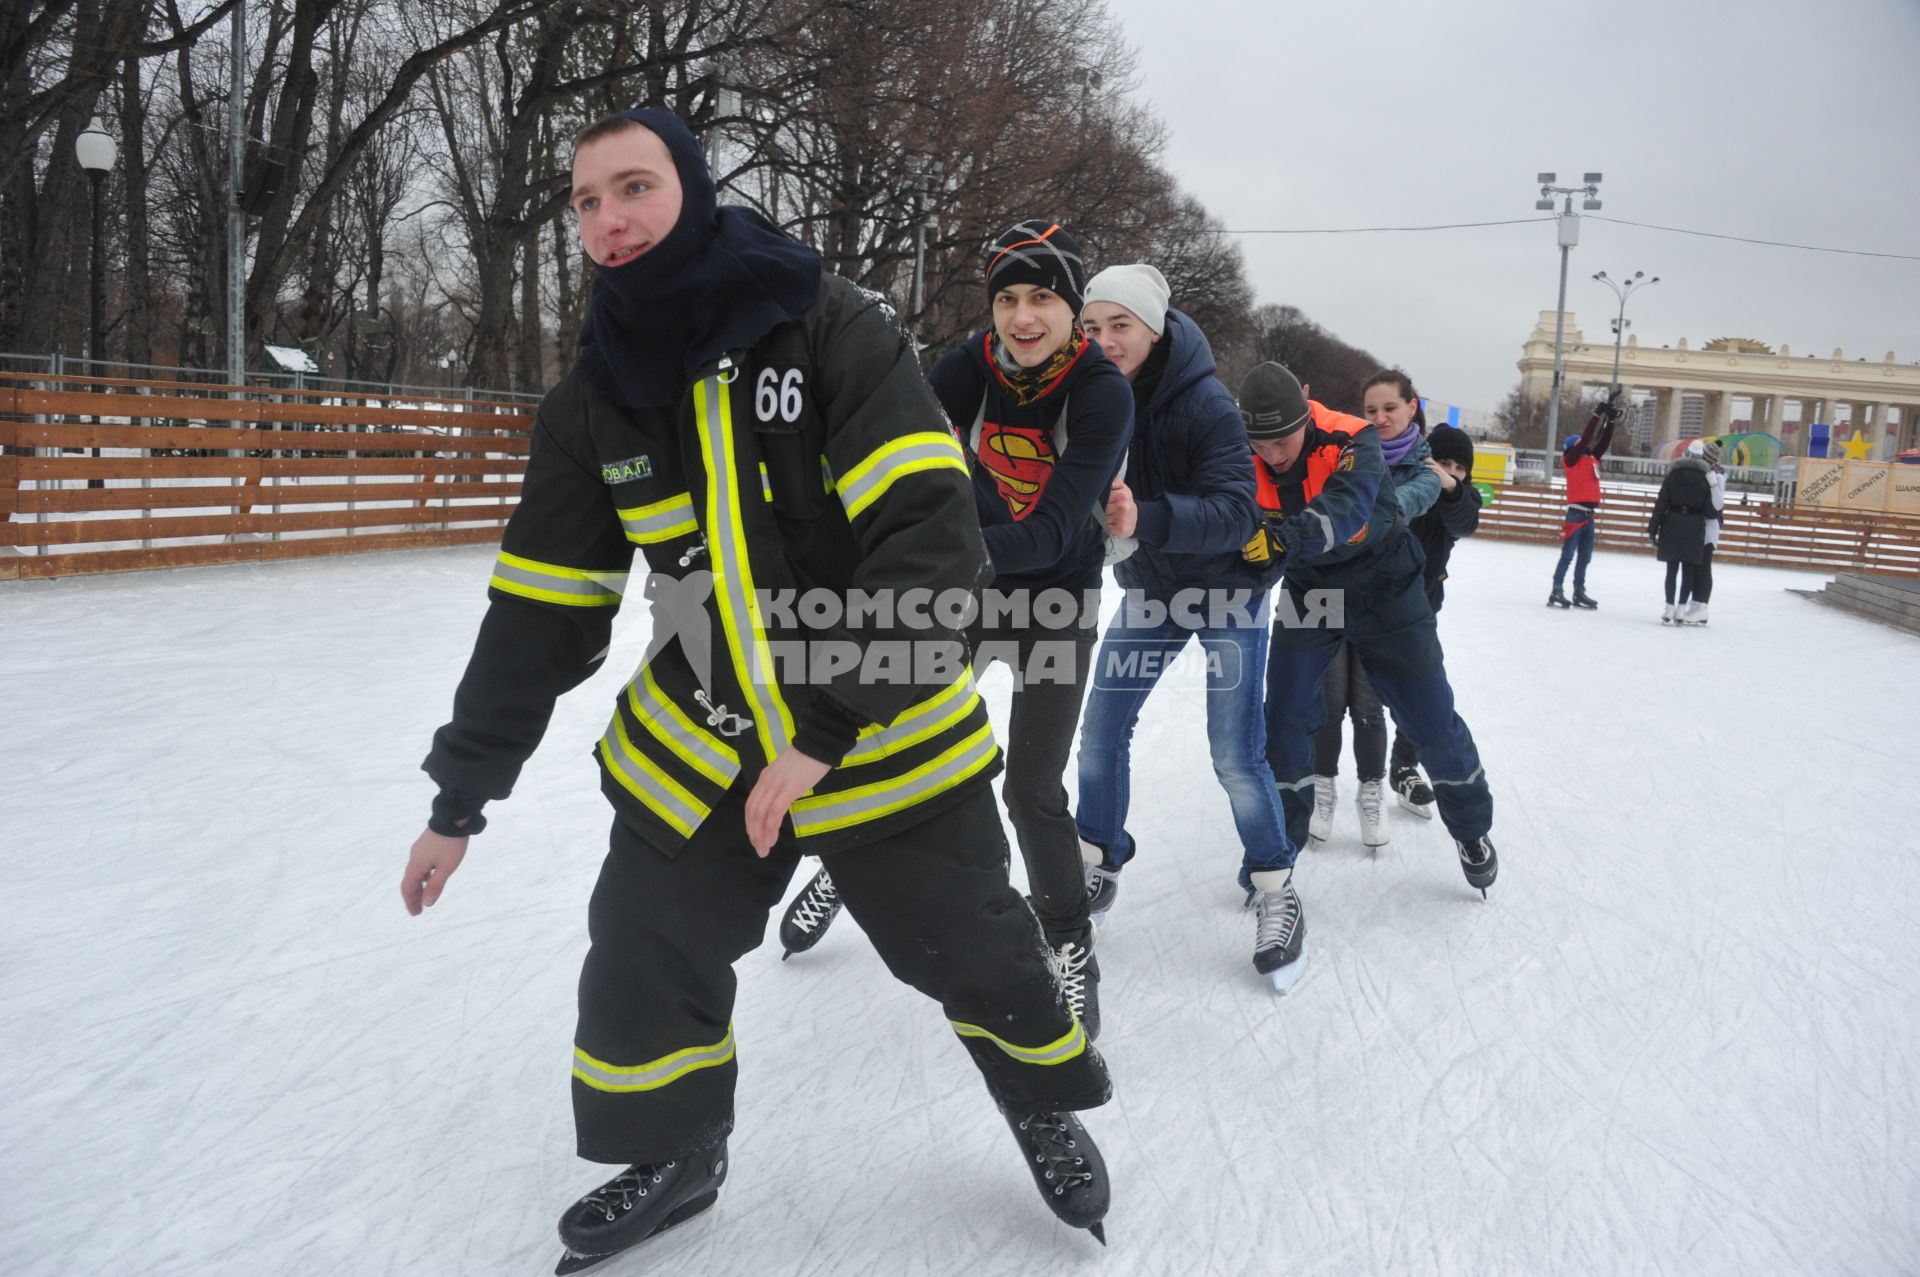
{"x": 1038, "y": 251}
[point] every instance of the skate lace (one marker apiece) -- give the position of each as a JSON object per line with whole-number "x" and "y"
{"x": 625, "y": 1190}
{"x": 1323, "y": 800}
{"x": 1070, "y": 960}
{"x": 816, "y": 904}
{"x": 1372, "y": 807}
{"x": 1277, "y": 916}
{"x": 1475, "y": 852}
{"x": 1050, "y": 1140}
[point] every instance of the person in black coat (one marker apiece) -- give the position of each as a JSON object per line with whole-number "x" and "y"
{"x": 1678, "y": 528}
{"x": 723, "y": 379}
{"x": 1455, "y": 515}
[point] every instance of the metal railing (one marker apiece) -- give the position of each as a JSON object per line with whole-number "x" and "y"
{"x": 1777, "y": 481}
{"x": 59, "y": 365}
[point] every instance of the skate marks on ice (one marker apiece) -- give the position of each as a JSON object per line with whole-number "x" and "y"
{"x": 1677, "y": 1038}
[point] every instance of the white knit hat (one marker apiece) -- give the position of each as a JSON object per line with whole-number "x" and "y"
{"x": 1139, "y": 287}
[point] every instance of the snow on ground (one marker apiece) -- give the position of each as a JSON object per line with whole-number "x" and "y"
{"x": 1678, "y": 1039}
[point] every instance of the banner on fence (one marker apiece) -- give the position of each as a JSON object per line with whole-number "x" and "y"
{"x": 1872, "y": 487}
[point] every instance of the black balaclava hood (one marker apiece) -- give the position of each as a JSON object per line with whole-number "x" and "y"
{"x": 720, "y": 280}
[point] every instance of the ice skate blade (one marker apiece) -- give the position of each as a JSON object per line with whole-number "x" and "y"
{"x": 1424, "y": 813}
{"x": 572, "y": 1261}
{"x": 1288, "y": 976}
{"x": 1099, "y": 1232}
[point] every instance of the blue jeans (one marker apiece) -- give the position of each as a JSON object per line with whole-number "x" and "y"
{"x": 1580, "y": 543}
{"x": 1131, "y": 659}
{"x": 1391, "y": 626}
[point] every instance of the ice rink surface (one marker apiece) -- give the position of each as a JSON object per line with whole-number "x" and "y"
{"x": 1679, "y": 1038}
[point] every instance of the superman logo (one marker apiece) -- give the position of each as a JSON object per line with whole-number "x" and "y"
{"x": 1020, "y": 459}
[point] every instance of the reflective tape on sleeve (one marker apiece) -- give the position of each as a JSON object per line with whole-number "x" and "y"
{"x": 661, "y": 521}
{"x": 893, "y": 461}
{"x": 916, "y": 723}
{"x": 654, "y": 1074}
{"x": 826, "y": 812}
{"x": 551, "y": 583}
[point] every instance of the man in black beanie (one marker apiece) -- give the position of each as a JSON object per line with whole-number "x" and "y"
{"x": 1334, "y": 536}
{"x": 750, "y": 425}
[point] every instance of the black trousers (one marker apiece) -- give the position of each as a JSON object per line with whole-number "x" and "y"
{"x": 1347, "y": 690}
{"x": 1050, "y": 669}
{"x": 654, "y": 1062}
{"x": 1689, "y": 577}
{"x": 1703, "y": 580}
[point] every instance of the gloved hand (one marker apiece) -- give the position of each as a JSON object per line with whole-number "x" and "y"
{"x": 1271, "y": 543}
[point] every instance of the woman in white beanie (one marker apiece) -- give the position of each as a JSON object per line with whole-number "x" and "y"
{"x": 1187, "y": 498}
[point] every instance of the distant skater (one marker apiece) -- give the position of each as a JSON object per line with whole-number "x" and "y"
{"x": 1580, "y": 458}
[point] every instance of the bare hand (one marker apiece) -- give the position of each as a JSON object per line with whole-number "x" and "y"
{"x": 432, "y": 862}
{"x": 1447, "y": 480}
{"x": 1122, "y": 514}
{"x": 786, "y": 778}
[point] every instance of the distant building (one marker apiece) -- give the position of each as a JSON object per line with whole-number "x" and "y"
{"x": 1689, "y": 393}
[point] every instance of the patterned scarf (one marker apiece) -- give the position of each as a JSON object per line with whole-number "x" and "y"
{"x": 1031, "y": 385}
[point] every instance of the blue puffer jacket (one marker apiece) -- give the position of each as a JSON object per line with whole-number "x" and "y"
{"x": 1414, "y": 485}
{"x": 1191, "y": 471}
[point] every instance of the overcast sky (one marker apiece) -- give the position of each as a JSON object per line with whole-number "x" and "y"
{"x": 1796, "y": 122}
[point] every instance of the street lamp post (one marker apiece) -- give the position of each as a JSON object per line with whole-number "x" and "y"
{"x": 725, "y": 71}
{"x": 924, "y": 175}
{"x": 1622, "y": 290}
{"x": 1569, "y": 235}
{"x": 96, "y": 152}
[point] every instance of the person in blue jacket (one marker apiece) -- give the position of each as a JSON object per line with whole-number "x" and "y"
{"x": 1393, "y": 406}
{"x": 1350, "y": 571}
{"x": 1044, "y": 419}
{"x": 1187, "y": 502}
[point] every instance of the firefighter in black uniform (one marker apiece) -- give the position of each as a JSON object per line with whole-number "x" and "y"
{"x": 761, "y": 432}
{"x": 1334, "y": 533}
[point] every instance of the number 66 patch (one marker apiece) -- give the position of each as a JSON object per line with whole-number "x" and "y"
{"x": 779, "y": 396}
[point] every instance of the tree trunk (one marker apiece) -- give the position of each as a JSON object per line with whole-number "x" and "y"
{"x": 133, "y": 150}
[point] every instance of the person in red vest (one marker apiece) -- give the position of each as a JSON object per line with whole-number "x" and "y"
{"x": 1349, "y": 570}
{"x": 1580, "y": 457}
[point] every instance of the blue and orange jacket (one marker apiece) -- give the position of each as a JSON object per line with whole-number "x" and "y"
{"x": 1335, "y": 504}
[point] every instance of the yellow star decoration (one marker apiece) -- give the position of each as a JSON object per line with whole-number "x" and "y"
{"x": 1857, "y": 448}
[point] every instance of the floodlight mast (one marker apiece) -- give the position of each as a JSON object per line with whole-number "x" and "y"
{"x": 1569, "y": 236}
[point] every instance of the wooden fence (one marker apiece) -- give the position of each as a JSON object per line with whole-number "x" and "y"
{"x": 1756, "y": 530}
{"x": 153, "y": 474}
{"x": 188, "y": 473}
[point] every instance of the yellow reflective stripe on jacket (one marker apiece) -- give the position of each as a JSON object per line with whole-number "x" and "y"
{"x": 551, "y": 583}
{"x": 640, "y": 776}
{"x": 894, "y": 460}
{"x": 661, "y": 521}
{"x": 654, "y": 1074}
{"x": 733, "y": 572}
{"x": 670, "y": 725}
{"x": 824, "y": 813}
{"x": 1057, "y": 1052}
{"x": 916, "y": 723}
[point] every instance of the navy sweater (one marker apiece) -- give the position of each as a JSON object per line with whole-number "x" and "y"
{"x": 1039, "y": 506}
